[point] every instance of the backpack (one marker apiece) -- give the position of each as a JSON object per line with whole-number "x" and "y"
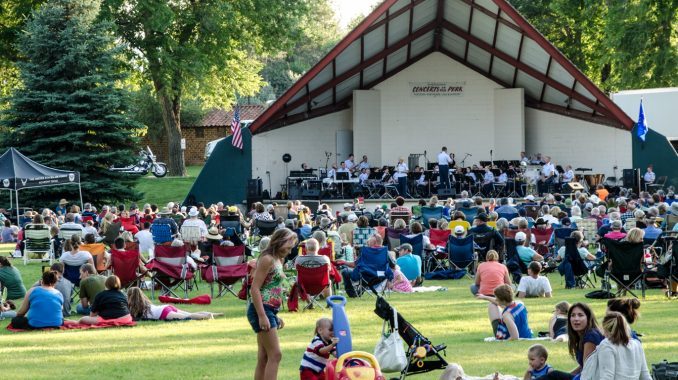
{"x": 665, "y": 371}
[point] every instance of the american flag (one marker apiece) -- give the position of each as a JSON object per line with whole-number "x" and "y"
{"x": 235, "y": 128}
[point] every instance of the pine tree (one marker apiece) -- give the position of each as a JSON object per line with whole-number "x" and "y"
{"x": 71, "y": 113}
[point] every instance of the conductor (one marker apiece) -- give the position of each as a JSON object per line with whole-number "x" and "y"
{"x": 444, "y": 162}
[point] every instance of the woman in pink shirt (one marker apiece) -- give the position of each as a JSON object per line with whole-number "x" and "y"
{"x": 490, "y": 274}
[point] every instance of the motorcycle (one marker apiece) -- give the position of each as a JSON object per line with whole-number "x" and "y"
{"x": 145, "y": 164}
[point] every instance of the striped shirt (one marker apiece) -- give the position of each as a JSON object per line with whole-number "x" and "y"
{"x": 313, "y": 359}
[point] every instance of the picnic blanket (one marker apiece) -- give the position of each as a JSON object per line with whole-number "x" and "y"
{"x": 493, "y": 339}
{"x": 204, "y": 299}
{"x": 454, "y": 371}
{"x": 73, "y": 325}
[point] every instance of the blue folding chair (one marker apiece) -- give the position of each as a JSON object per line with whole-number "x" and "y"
{"x": 559, "y": 236}
{"x": 462, "y": 255}
{"x": 470, "y": 213}
{"x": 515, "y": 265}
{"x": 417, "y": 244}
{"x": 430, "y": 212}
{"x": 508, "y": 215}
{"x": 372, "y": 269}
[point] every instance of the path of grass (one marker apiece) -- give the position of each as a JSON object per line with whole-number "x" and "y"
{"x": 160, "y": 191}
{"x": 225, "y": 348}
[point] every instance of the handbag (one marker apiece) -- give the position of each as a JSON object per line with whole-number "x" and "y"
{"x": 389, "y": 350}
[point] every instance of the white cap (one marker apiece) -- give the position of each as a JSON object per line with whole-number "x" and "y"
{"x": 193, "y": 212}
{"x": 352, "y": 217}
{"x": 520, "y": 236}
{"x": 458, "y": 230}
{"x": 348, "y": 205}
{"x": 529, "y": 197}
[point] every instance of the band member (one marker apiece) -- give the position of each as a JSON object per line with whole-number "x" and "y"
{"x": 304, "y": 166}
{"x": 350, "y": 163}
{"x": 422, "y": 183}
{"x": 332, "y": 173}
{"x": 568, "y": 174}
{"x": 364, "y": 174}
{"x": 470, "y": 175}
{"x": 503, "y": 177}
{"x": 386, "y": 177}
{"x": 524, "y": 158}
{"x": 343, "y": 168}
{"x": 444, "y": 161}
{"x": 400, "y": 175}
{"x": 649, "y": 175}
{"x": 364, "y": 164}
{"x": 488, "y": 181}
{"x": 548, "y": 175}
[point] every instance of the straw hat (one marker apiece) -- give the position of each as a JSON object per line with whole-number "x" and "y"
{"x": 213, "y": 234}
{"x": 63, "y": 202}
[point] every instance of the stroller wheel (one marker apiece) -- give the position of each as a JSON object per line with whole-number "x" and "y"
{"x": 420, "y": 363}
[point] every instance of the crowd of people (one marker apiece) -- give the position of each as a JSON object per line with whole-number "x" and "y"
{"x": 344, "y": 235}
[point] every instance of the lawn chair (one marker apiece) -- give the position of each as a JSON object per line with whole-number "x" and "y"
{"x": 230, "y": 221}
{"x": 484, "y": 242}
{"x": 582, "y": 274}
{"x": 372, "y": 269}
{"x": 414, "y": 340}
{"x": 170, "y": 270}
{"x": 229, "y": 267}
{"x": 393, "y": 237}
{"x": 559, "y": 236}
{"x": 66, "y": 232}
{"x": 438, "y": 237}
{"x": 361, "y": 235}
{"x": 417, "y": 243}
{"x": 541, "y": 238}
{"x": 462, "y": 255}
{"x": 515, "y": 265}
{"x": 508, "y": 215}
{"x": 589, "y": 228}
{"x": 162, "y": 233}
{"x": 626, "y": 266}
{"x": 124, "y": 264}
{"x": 98, "y": 252}
{"x": 190, "y": 234}
{"x": 532, "y": 211}
{"x": 265, "y": 227}
{"x": 393, "y": 216}
{"x": 313, "y": 279}
{"x": 431, "y": 213}
{"x": 37, "y": 239}
{"x": 469, "y": 212}
{"x": 112, "y": 233}
{"x": 72, "y": 274}
{"x": 454, "y": 223}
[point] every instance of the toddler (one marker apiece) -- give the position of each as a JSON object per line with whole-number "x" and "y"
{"x": 318, "y": 351}
{"x": 536, "y": 357}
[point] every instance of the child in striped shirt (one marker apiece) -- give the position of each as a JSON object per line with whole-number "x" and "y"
{"x": 318, "y": 351}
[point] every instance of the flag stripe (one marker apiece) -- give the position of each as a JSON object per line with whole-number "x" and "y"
{"x": 235, "y": 128}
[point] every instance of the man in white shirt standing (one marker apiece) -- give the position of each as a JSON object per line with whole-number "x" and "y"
{"x": 400, "y": 175}
{"x": 444, "y": 162}
{"x": 534, "y": 285}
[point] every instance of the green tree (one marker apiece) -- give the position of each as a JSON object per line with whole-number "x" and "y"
{"x": 204, "y": 49}
{"x": 71, "y": 112}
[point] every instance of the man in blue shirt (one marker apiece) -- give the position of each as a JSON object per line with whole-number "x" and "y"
{"x": 409, "y": 264}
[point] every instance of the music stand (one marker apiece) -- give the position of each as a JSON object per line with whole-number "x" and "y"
{"x": 342, "y": 176}
{"x": 480, "y": 174}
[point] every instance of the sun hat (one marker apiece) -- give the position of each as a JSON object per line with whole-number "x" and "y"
{"x": 521, "y": 236}
{"x": 193, "y": 212}
{"x": 530, "y": 197}
{"x": 232, "y": 209}
{"x": 213, "y": 234}
{"x": 63, "y": 202}
{"x": 164, "y": 211}
{"x": 458, "y": 230}
{"x": 674, "y": 208}
{"x": 540, "y": 221}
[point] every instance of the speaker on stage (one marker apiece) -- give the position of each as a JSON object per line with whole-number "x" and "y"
{"x": 310, "y": 194}
{"x": 294, "y": 191}
{"x": 571, "y": 187}
{"x": 254, "y": 187}
{"x": 444, "y": 192}
{"x": 630, "y": 178}
{"x": 253, "y": 200}
{"x": 312, "y": 205}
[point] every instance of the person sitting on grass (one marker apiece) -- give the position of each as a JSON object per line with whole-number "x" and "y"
{"x": 537, "y": 355}
{"x": 400, "y": 283}
{"x": 409, "y": 264}
{"x": 42, "y": 306}
{"x": 109, "y": 305}
{"x": 10, "y": 278}
{"x": 489, "y": 275}
{"x": 140, "y": 307}
{"x": 63, "y": 285}
{"x": 91, "y": 284}
{"x": 511, "y": 323}
{"x": 558, "y": 322}
{"x": 534, "y": 285}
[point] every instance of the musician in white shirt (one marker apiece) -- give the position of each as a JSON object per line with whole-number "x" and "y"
{"x": 568, "y": 175}
{"x": 364, "y": 174}
{"x": 649, "y": 175}
{"x": 488, "y": 181}
{"x": 524, "y": 158}
{"x": 503, "y": 177}
{"x": 444, "y": 161}
{"x": 349, "y": 163}
{"x": 548, "y": 175}
{"x": 343, "y": 168}
{"x": 332, "y": 172}
{"x": 364, "y": 164}
{"x": 401, "y": 176}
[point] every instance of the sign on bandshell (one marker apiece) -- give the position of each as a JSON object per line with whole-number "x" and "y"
{"x": 437, "y": 88}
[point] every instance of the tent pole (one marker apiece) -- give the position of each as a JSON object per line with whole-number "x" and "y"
{"x": 18, "y": 222}
{"x": 82, "y": 206}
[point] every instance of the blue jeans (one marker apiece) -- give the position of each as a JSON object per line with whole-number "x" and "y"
{"x": 253, "y": 318}
{"x": 82, "y": 310}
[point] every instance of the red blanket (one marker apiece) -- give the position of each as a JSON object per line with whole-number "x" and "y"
{"x": 73, "y": 325}
{"x": 204, "y": 299}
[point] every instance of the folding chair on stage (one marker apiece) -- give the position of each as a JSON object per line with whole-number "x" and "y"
{"x": 626, "y": 266}
{"x": 372, "y": 269}
{"x": 582, "y": 274}
{"x": 229, "y": 267}
{"x": 313, "y": 279}
{"x": 37, "y": 240}
{"x": 462, "y": 254}
{"x": 125, "y": 264}
{"x": 170, "y": 270}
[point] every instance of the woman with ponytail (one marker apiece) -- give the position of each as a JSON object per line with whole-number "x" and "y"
{"x": 618, "y": 356}
{"x": 628, "y": 307}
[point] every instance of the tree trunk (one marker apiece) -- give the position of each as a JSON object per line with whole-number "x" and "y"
{"x": 171, "y": 109}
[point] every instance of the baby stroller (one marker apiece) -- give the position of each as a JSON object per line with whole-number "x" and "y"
{"x": 422, "y": 355}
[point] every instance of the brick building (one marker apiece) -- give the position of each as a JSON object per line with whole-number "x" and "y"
{"x": 216, "y": 124}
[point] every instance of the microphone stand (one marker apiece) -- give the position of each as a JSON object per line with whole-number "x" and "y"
{"x": 463, "y": 160}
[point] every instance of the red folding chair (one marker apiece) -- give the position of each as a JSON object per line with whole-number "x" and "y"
{"x": 313, "y": 280}
{"x": 228, "y": 267}
{"x": 541, "y": 238}
{"x": 328, "y": 251}
{"x": 439, "y": 237}
{"x": 124, "y": 264}
{"x": 170, "y": 270}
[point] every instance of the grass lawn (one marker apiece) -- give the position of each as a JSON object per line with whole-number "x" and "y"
{"x": 160, "y": 191}
{"x": 225, "y": 348}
